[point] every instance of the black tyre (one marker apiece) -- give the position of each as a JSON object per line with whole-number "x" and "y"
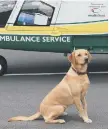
{"x": 3, "y": 66}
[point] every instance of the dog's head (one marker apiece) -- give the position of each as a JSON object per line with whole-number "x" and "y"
{"x": 80, "y": 57}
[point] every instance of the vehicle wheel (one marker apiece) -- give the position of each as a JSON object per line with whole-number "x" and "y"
{"x": 3, "y": 66}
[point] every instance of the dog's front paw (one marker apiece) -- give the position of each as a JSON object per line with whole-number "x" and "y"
{"x": 61, "y": 121}
{"x": 88, "y": 121}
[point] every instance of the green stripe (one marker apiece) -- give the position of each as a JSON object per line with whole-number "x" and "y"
{"x": 80, "y": 22}
{"x": 96, "y": 43}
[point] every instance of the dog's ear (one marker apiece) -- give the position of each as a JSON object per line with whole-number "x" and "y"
{"x": 89, "y": 57}
{"x": 71, "y": 58}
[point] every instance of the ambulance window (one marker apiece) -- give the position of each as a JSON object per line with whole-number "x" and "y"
{"x": 6, "y": 8}
{"x": 35, "y": 13}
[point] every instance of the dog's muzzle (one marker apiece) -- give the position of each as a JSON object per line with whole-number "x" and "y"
{"x": 86, "y": 60}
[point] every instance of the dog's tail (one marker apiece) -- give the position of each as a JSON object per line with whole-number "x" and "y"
{"x": 24, "y": 118}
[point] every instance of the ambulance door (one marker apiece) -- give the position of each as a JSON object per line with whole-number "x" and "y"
{"x": 34, "y": 16}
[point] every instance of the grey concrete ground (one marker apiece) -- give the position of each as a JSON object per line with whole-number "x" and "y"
{"x": 21, "y": 95}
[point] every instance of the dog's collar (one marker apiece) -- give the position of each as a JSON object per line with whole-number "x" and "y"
{"x": 79, "y": 73}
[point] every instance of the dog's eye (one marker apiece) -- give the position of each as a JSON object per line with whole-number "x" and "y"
{"x": 86, "y": 54}
{"x": 79, "y": 54}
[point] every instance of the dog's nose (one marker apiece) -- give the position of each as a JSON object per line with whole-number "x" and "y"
{"x": 86, "y": 60}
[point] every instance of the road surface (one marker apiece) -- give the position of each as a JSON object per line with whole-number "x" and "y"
{"x": 21, "y": 95}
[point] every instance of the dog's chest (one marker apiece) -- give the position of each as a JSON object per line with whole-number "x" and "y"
{"x": 84, "y": 82}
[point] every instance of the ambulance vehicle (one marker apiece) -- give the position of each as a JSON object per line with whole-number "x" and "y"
{"x": 53, "y": 26}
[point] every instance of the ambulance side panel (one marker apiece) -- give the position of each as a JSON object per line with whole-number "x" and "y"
{"x": 87, "y": 22}
{"x": 54, "y": 26}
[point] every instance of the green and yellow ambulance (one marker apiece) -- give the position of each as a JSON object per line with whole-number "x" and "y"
{"x": 53, "y": 26}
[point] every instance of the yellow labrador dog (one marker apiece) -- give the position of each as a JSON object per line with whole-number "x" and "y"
{"x": 71, "y": 90}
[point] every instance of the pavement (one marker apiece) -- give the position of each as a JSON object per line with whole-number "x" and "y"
{"x": 21, "y": 95}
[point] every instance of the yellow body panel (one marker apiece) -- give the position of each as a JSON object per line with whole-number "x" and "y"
{"x": 88, "y": 28}
{"x": 65, "y": 29}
